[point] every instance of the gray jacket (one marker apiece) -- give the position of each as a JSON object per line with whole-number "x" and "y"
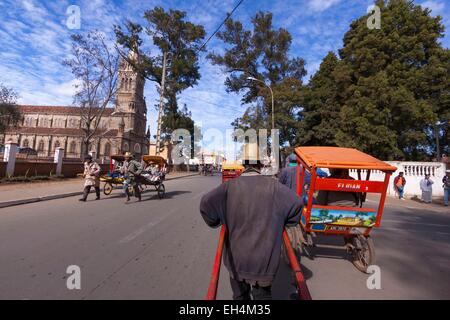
{"x": 254, "y": 209}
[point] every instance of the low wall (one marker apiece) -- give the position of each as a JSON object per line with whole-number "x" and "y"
{"x": 413, "y": 173}
{"x": 2, "y": 168}
{"x": 34, "y": 168}
{"x": 70, "y": 170}
{"x": 41, "y": 168}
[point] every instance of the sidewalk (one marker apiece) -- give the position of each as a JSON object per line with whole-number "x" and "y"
{"x": 411, "y": 204}
{"x": 22, "y": 193}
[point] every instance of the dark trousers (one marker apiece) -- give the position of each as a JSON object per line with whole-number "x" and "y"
{"x": 135, "y": 181}
{"x": 87, "y": 189}
{"x": 244, "y": 291}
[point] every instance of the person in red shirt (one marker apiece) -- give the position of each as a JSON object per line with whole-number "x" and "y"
{"x": 399, "y": 185}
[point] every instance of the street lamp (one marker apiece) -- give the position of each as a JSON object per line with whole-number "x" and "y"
{"x": 436, "y": 130}
{"x": 271, "y": 92}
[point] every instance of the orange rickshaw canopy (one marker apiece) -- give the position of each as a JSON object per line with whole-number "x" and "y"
{"x": 342, "y": 158}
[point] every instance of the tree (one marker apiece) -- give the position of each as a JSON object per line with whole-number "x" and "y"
{"x": 262, "y": 53}
{"x": 9, "y": 113}
{"x": 95, "y": 65}
{"x": 181, "y": 41}
{"x": 320, "y": 115}
{"x": 393, "y": 82}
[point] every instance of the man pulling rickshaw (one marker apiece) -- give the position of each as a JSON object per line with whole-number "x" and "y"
{"x": 134, "y": 171}
{"x": 254, "y": 209}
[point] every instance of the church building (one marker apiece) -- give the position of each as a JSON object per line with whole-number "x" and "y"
{"x": 121, "y": 129}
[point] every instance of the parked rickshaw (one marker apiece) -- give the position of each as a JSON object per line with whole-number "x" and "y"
{"x": 113, "y": 178}
{"x": 154, "y": 180}
{"x": 232, "y": 171}
{"x": 354, "y": 223}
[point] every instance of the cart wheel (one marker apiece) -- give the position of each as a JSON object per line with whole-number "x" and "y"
{"x": 161, "y": 191}
{"x": 108, "y": 188}
{"x": 362, "y": 252}
{"x": 130, "y": 190}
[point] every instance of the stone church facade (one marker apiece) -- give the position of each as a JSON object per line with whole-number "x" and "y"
{"x": 122, "y": 128}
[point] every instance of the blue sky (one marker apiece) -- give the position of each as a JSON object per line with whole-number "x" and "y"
{"x": 34, "y": 40}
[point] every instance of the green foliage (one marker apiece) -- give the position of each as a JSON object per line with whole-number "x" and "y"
{"x": 9, "y": 113}
{"x": 262, "y": 53}
{"x": 387, "y": 90}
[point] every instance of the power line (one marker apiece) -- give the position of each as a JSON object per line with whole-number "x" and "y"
{"x": 220, "y": 26}
{"x": 230, "y": 108}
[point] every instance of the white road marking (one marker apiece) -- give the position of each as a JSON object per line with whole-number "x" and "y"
{"x": 132, "y": 236}
{"x": 199, "y": 195}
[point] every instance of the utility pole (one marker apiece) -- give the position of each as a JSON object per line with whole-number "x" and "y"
{"x": 161, "y": 103}
{"x": 438, "y": 148}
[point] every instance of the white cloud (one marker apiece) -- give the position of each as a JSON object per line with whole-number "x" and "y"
{"x": 322, "y": 5}
{"x": 436, "y": 7}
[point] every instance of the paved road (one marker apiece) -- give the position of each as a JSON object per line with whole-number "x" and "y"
{"x": 161, "y": 249}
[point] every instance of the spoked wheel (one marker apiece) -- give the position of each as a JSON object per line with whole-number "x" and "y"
{"x": 362, "y": 252}
{"x": 161, "y": 191}
{"x": 130, "y": 190}
{"x": 108, "y": 188}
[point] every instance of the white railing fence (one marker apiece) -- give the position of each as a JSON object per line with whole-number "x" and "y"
{"x": 413, "y": 173}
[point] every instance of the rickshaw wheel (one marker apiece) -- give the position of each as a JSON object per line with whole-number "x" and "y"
{"x": 130, "y": 190}
{"x": 108, "y": 188}
{"x": 362, "y": 253}
{"x": 161, "y": 191}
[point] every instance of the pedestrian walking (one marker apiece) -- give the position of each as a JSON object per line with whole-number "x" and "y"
{"x": 91, "y": 178}
{"x": 446, "y": 186}
{"x": 426, "y": 185}
{"x": 255, "y": 209}
{"x": 134, "y": 171}
{"x": 399, "y": 185}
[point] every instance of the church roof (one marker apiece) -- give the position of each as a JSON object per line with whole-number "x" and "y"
{"x": 60, "y": 110}
{"x": 61, "y": 131}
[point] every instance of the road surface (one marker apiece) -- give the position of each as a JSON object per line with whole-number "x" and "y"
{"x": 161, "y": 249}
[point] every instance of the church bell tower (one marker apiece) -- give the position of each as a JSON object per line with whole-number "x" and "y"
{"x": 130, "y": 96}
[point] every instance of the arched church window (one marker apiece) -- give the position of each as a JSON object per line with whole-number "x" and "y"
{"x": 126, "y": 147}
{"x": 57, "y": 144}
{"x": 107, "y": 151}
{"x": 73, "y": 147}
{"x": 137, "y": 148}
{"x": 41, "y": 145}
{"x": 25, "y": 143}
